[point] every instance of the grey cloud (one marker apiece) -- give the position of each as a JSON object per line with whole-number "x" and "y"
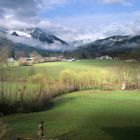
{"x": 23, "y": 9}
{"x": 36, "y": 43}
{"x": 1, "y": 13}
{"x": 72, "y": 28}
{"x": 16, "y": 4}
{"x": 20, "y": 9}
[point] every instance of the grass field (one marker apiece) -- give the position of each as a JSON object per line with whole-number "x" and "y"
{"x": 53, "y": 69}
{"x": 85, "y": 115}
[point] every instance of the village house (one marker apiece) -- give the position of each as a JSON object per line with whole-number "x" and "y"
{"x": 131, "y": 60}
{"x": 52, "y": 59}
{"x": 70, "y": 60}
{"x": 10, "y": 60}
{"x": 38, "y": 59}
{"x": 19, "y": 54}
{"x": 105, "y": 57}
{"x": 23, "y": 61}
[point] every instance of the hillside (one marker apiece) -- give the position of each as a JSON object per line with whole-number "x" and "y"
{"x": 32, "y": 39}
{"x": 115, "y": 46}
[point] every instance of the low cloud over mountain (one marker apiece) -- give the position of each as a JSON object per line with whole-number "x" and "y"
{"x": 73, "y": 19}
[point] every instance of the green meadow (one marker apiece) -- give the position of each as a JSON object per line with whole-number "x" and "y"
{"x": 53, "y": 69}
{"x": 107, "y": 113}
{"x": 85, "y": 115}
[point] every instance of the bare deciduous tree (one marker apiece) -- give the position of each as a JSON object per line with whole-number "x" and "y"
{"x": 4, "y": 54}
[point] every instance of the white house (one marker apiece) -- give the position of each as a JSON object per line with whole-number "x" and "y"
{"x": 105, "y": 57}
{"x": 10, "y": 59}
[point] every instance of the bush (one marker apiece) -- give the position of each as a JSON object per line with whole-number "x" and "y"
{"x": 26, "y": 63}
{"x": 37, "y": 78}
{"x": 70, "y": 80}
{"x": 68, "y": 76}
{"x": 36, "y": 92}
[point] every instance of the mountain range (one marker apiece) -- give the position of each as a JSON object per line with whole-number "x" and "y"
{"x": 42, "y": 40}
{"x": 113, "y": 46}
{"x": 38, "y": 34}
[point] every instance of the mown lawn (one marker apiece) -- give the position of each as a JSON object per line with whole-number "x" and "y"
{"x": 85, "y": 115}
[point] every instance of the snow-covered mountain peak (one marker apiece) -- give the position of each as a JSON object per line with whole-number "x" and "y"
{"x": 36, "y": 33}
{"x": 19, "y": 33}
{"x": 78, "y": 43}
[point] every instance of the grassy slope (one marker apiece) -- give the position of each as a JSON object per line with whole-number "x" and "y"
{"x": 86, "y": 115}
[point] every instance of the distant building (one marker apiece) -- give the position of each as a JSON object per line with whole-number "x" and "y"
{"x": 22, "y": 59}
{"x": 130, "y": 60}
{"x": 37, "y": 59}
{"x": 63, "y": 59}
{"x": 52, "y": 59}
{"x": 10, "y": 59}
{"x": 105, "y": 57}
{"x": 19, "y": 54}
{"x": 70, "y": 60}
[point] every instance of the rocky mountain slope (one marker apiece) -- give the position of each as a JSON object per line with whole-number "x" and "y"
{"x": 41, "y": 39}
{"x": 113, "y": 46}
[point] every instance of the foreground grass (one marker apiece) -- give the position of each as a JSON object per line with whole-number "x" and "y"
{"x": 85, "y": 115}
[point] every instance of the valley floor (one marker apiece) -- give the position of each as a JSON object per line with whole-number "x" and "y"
{"x": 85, "y": 115}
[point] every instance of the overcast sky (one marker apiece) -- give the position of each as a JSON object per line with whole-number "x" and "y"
{"x": 74, "y": 19}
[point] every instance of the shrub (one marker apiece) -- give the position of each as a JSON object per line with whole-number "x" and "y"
{"x": 38, "y": 79}
{"x": 70, "y": 80}
{"x": 36, "y": 92}
{"x": 68, "y": 76}
{"x": 26, "y": 63}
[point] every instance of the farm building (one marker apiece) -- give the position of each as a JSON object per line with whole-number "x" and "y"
{"x": 105, "y": 57}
